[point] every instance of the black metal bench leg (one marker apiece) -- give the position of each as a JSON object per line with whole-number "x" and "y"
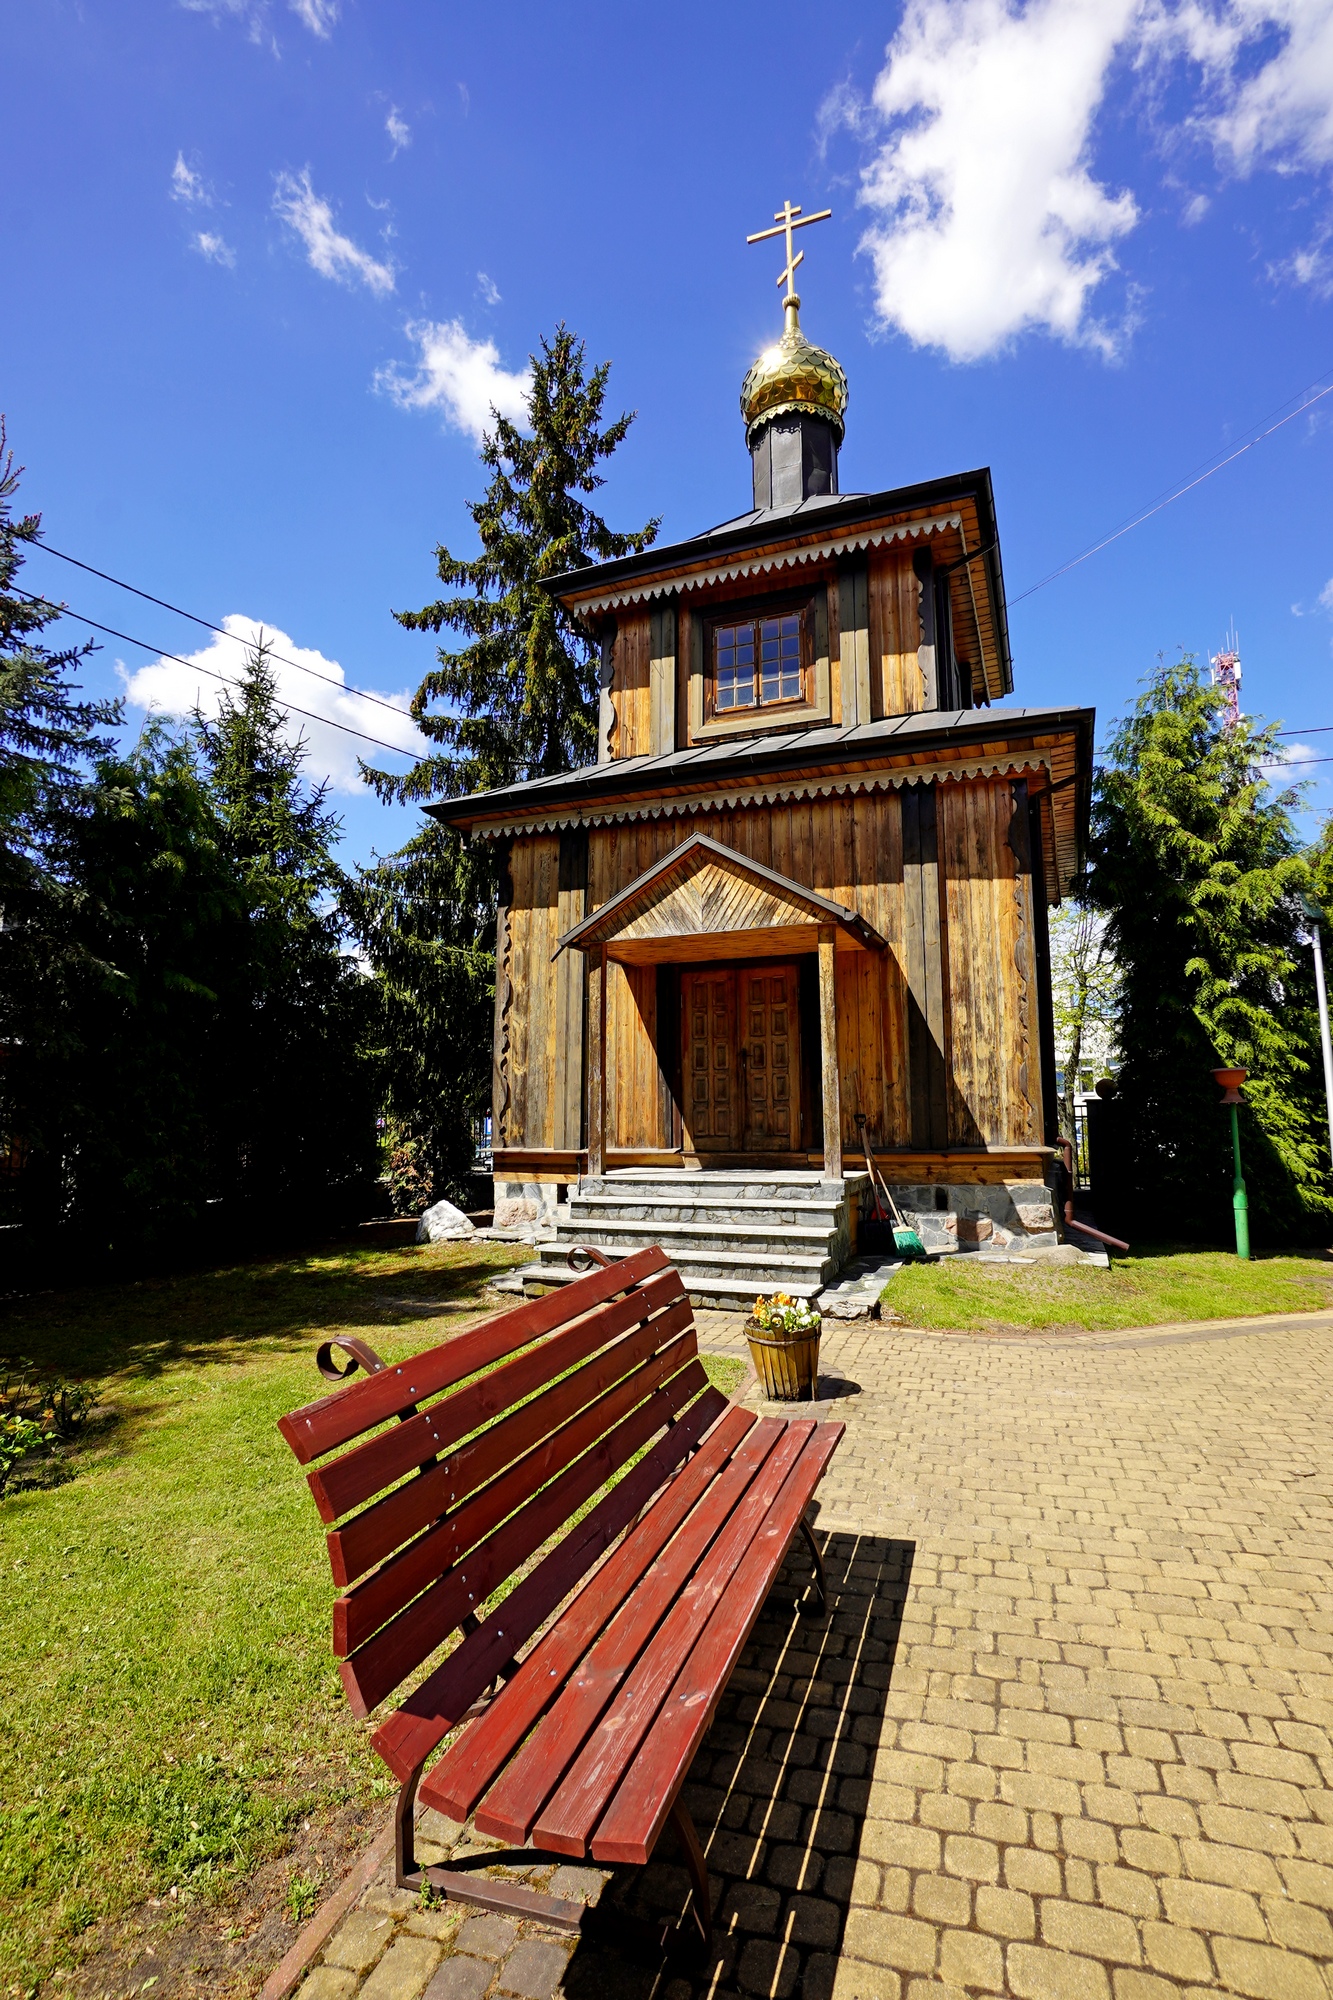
{"x": 697, "y": 1869}
{"x": 817, "y": 1560}
{"x": 404, "y": 1829}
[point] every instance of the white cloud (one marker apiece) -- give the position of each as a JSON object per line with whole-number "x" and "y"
{"x": 318, "y": 15}
{"x": 488, "y": 288}
{"x": 990, "y": 221}
{"x": 187, "y": 184}
{"x": 175, "y": 688}
{"x": 209, "y": 244}
{"x": 398, "y": 129}
{"x": 1283, "y": 109}
{"x": 329, "y": 252}
{"x": 460, "y": 377}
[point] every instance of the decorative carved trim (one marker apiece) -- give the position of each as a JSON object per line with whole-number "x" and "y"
{"x": 778, "y": 792}
{"x": 763, "y": 565}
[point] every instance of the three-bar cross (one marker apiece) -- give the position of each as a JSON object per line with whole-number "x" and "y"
{"x": 787, "y": 219}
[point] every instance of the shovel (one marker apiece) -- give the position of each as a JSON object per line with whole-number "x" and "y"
{"x": 905, "y": 1241}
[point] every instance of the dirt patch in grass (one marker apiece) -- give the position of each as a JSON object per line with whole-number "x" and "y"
{"x": 226, "y": 1942}
{"x": 1148, "y": 1289}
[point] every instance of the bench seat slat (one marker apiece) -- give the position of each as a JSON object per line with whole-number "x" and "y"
{"x": 407, "y": 1737}
{"x": 376, "y": 1668}
{"x": 629, "y": 1828}
{"x": 511, "y": 1807}
{"x": 344, "y": 1483}
{"x": 374, "y": 1534}
{"x": 468, "y": 1767}
{"x": 567, "y": 1820}
{"x": 363, "y": 1406}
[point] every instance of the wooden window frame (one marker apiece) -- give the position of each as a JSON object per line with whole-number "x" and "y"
{"x": 751, "y": 610}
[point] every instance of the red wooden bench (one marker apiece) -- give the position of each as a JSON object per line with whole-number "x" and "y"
{"x": 447, "y": 1478}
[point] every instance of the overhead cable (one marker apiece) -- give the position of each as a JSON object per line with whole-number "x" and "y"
{"x": 361, "y": 693}
{"x": 1188, "y": 487}
{"x": 228, "y": 680}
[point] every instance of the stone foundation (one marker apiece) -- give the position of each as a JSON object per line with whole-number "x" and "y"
{"x": 1009, "y": 1215}
{"x": 527, "y": 1209}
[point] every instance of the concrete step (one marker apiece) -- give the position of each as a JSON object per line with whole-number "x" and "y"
{"x": 710, "y": 1210}
{"x": 758, "y": 1240}
{"x": 653, "y": 1185}
{"x": 800, "y": 1259}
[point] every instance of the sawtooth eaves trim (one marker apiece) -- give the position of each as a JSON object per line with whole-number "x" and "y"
{"x": 777, "y": 792}
{"x": 760, "y": 565}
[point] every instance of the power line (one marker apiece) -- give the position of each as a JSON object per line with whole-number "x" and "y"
{"x": 221, "y": 630}
{"x": 1188, "y": 487}
{"x": 227, "y": 679}
{"x": 1318, "y": 729}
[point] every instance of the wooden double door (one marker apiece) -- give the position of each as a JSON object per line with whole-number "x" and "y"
{"x": 741, "y": 1058}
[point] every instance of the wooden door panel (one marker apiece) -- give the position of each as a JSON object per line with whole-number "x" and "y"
{"x": 771, "y": 1059}
{"x": 711, "y": 1109}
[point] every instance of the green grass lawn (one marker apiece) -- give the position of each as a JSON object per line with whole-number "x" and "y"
{"x": 1148, "y": 1289}
{"x": 171, "y": 1710}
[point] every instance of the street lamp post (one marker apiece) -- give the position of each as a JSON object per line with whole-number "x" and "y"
{"x": 1230, "y": 1081}
{"x": 1314, "y": 917}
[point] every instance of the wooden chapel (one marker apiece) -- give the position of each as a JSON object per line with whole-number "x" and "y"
{"x": 806, "y": 880}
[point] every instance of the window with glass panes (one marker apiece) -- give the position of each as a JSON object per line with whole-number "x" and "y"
{"x": 757, "y": 661}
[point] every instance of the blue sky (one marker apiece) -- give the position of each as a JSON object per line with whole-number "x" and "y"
{"x": 271, "y": 261}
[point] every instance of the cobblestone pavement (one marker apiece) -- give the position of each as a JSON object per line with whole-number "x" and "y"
{"x": 1067, "y": 1734}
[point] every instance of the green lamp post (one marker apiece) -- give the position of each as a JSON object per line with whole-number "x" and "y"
{"x": 1230, "y": 1081}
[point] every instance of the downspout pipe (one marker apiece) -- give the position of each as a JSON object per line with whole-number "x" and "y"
{"x": 1084, "y": 1228}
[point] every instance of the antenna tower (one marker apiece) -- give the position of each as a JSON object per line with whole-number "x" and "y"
{"x": 1226, "y": 675}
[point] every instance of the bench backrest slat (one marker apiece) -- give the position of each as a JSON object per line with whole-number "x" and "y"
{"x": 444, "y": 1476}
{"x": 363, "y": 1406}
{"x": 378, "y": 1667}
{"x": 368, "y": 1468}
{"x": 371, "y": 1536}
{"x": 411, "y": 1732}
{"x": 368, "y": 1605}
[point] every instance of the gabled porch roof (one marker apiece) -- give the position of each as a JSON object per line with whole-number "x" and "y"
{"x": 707, "y": 901}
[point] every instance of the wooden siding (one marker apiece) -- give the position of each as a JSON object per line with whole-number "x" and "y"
{"x": 633, "y": 1072}
{"x": 996, "y": 1072}
{"x": 632, "y": 687}
{"x": 980, "y": 1012}
{"x": 895, "y": 635}
{"x": 531, "y": 1057}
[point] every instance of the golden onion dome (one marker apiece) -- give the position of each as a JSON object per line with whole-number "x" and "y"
{"x": 794, "y": 374}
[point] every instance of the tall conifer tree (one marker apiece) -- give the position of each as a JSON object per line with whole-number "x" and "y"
{"x": 517, "y": 700}
{"x": 1197, "y": 864}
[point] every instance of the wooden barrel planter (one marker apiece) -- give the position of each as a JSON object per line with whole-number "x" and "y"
{"x": 787, "y": 1363}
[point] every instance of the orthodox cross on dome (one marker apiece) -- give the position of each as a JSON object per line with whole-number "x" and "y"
{"x": 788, "y": 219}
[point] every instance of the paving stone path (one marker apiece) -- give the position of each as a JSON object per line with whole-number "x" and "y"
{"x": 1067, "y": 1734}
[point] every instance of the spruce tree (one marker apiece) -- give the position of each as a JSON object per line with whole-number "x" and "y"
{"x": 49, "y": 739}
{"x": 518, "y": 700}
{"x": 293, "y": 1099}
{"x": 1196, "y": 862}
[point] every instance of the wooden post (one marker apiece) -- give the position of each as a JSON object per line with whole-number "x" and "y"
{"x": 828, "y": 1049}
{"x": 597, "y": 1062}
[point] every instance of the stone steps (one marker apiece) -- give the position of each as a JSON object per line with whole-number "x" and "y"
{"x": 730, "y": 1236}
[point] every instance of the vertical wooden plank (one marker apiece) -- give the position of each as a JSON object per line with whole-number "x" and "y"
{"x": 662, "y": 679}
{"x": 543, "y": 973}
{"x": 504, "y": 1000}
{"x": 596, "y": 1062}
{"x": 854, "y": 644}
{"x": 631, "y": 693}
{"x": 895, "y": 634}
{"x": 828, "y": 1053}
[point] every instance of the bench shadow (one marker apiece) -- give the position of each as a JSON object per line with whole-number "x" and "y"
{"x": 778, "y": 1793}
